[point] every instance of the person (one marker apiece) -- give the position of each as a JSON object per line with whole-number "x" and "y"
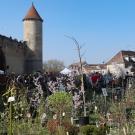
{"x": 95, "y": 78}
{"x": 2, "y": 60}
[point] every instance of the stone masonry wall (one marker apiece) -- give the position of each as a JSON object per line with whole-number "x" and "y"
{"x": 14, "y": 53}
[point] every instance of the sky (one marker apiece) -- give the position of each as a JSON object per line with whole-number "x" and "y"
{"x": 101, "y": 27}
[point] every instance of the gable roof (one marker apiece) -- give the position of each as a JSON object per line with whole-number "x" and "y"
{"x": 120, "y": 57}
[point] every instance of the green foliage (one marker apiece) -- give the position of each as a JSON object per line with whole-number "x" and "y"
{"x": 25, "y": 128}
{"x": 89, "y": 130}
{"x": 93, "y": 130}
{"x": 60, "y": 131}
{"x": 94, "y": 118}
{"x": 103, "y": 130}
{"x": 60, "y": 102}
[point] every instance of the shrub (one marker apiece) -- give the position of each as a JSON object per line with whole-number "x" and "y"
{"x": 52, "y": 126}
{"x": 73, "y": 130}
{"x": 60, "y": 102}
{"x": 89, "y": 130}
{"x": 60, "y": 131}
{"x": 103, "y": 130}
{"x": 93, "y": 130}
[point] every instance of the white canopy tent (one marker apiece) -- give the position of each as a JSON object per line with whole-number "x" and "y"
{"x": 65, "y": 71}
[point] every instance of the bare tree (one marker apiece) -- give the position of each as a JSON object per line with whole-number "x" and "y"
{"x": 79, "y": 47}
{"x": 53, "y": 66}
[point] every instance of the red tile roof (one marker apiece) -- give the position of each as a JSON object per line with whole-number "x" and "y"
{"x": 119, "y": 58}
{"x": 32, "y": 14}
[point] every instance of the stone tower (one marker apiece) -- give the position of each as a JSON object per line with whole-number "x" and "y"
{"x": 33, "y": 37}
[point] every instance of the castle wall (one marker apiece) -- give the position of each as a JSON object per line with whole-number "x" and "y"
{"x": 14, "y": 53}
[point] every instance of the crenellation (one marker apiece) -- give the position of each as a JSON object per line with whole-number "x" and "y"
{"x": 8, "y": 41}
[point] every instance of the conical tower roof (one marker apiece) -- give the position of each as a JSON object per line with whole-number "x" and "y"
{"x": 32, "y": 14}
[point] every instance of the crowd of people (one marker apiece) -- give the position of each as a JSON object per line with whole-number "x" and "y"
{"x": 40, "y": 85}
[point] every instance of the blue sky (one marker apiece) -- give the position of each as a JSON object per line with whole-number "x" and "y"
{"x": 103, "y": 26}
